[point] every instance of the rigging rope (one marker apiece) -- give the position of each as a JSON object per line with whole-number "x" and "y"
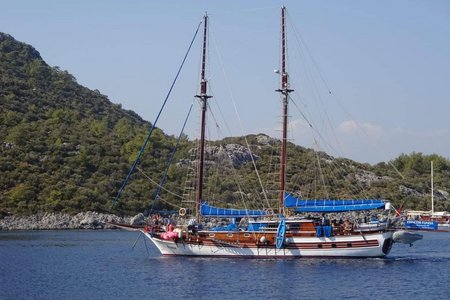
{"x": 322, "y": 177}
{"x": 157, "y": 184}
{"x": 339, "y": 169}
{"x": 152, "y": 127}
{"x": 301, "y": 41}
{"x": 244, "y": 10}
{"x": 240, "y": 124}
{"x": 163, "y": 179}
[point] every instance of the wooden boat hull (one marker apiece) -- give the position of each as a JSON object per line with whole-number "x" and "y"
{"x": 367, "y": 245}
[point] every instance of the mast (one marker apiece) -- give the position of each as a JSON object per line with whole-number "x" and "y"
{"x": 203, "y": 102}
{"x": 432, "y": 190}
{"x": 284, "y": 90}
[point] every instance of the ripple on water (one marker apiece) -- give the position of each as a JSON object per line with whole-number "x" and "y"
{"x": 102, "y": 264}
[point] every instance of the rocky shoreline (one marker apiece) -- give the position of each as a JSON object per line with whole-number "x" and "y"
{"x": 61, "y": 221}
{"x": 94, "y": 220}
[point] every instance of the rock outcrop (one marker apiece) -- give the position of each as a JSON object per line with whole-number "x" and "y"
{"x": 52, "y": 221}
{"x": 367, "y": 177}
{"x": 228, "y": 154}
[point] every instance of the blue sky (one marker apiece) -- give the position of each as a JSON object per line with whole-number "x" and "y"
{"x": 386, "y": 63}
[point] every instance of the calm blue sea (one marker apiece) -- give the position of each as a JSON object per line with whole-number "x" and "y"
{"x": 103, "y": 265}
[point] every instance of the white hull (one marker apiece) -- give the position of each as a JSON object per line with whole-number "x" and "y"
{"x": 371, "y": 245}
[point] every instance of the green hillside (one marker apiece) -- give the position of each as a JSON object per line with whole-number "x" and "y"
{"x": 63, "y": 146}
{"x": 66, "y": 148}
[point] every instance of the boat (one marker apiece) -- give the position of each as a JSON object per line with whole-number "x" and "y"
{"x": 434, "y": 219}
{"x": 271, "y": 232}
{"x": 429, "y": 220}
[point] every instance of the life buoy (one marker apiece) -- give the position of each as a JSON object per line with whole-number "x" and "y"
{"x": 269, "y": 212}
{"x": 182, "y": 211}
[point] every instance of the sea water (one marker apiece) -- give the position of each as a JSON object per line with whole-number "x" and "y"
{"x": 103, "y": 265}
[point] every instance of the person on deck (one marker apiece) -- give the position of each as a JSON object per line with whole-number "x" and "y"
{"x": 191, "y": 226}
{"x": 347, "y": 227}
{"x": 324, "y": 221}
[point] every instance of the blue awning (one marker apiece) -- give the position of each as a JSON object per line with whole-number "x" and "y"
{"x": 328, "y": 205}
{"x": 211, "y": 211}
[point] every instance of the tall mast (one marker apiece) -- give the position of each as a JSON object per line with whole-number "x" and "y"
{"x": 432, "y": 189}
{"x": 203, "y": 102}
{"x": 284, "y": 90}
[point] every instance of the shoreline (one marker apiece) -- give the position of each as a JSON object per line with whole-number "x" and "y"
{"x": 62, "y": 221}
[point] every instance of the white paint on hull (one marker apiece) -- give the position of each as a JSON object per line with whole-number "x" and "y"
{"x": 172, "y": 248}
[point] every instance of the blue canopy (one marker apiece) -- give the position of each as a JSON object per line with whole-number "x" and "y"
{"x": 306, "y": 205}
{"x": 211, "y": 211}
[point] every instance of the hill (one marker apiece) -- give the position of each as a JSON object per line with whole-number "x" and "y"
{"x": 63, "y": 146}
{"x": 66, "y": 148}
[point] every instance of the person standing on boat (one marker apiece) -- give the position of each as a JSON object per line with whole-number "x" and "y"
{"x": 324, "y": 221}
{"x": 243, "y": 223}
{"x": 191, "y": 226}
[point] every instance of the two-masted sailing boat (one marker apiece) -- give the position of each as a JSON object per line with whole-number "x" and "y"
{"x": 267, "y": 234}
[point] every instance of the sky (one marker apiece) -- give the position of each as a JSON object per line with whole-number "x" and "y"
{"x": 371, "y": 78}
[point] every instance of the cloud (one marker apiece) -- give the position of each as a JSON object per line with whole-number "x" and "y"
{"x": 369, "y": 129}
{"x": 349, "y": 126}
{"x": 366, "y": 142}
{"x": 369, "y": 142}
